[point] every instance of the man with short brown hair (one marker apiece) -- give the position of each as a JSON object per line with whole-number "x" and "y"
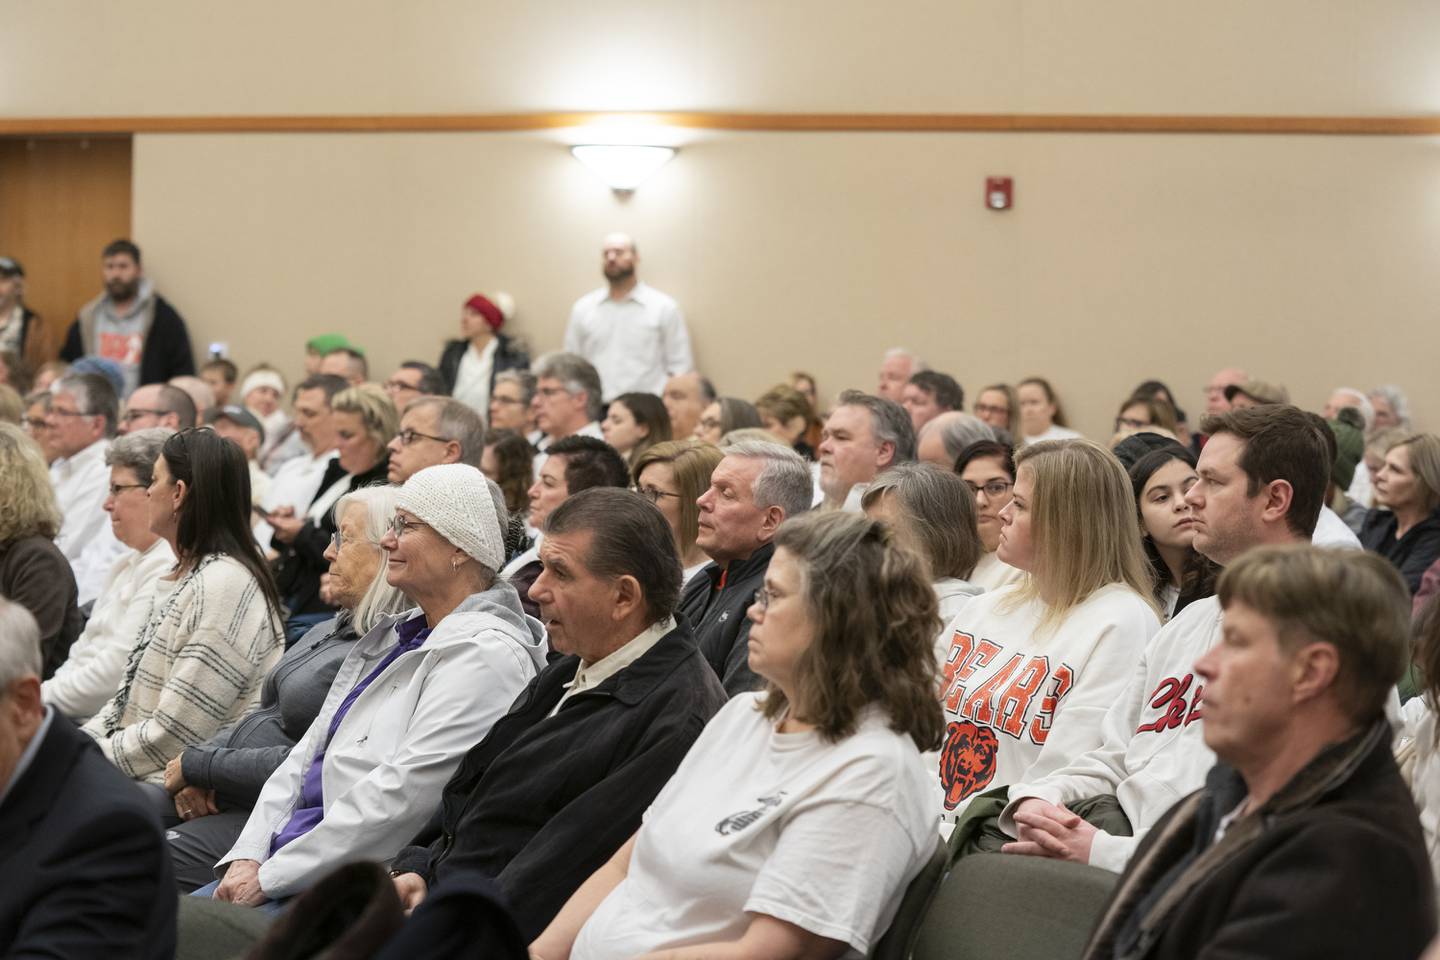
{"x": 1305, "y": 841}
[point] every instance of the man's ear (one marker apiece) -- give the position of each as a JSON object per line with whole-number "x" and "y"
{"x": 770, "y": 522}
{"x": 1316, "y": 666}
{"x": 1279, "y": 496}
{"x": 628, "y": 597}
{"x": 885, "y": 454}
{"x": 452, "y": 451}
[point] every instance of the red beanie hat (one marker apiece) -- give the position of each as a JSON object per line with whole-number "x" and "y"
{"x": 482, "y": 305}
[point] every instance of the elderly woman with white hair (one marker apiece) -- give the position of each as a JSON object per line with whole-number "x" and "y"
{"x": 412, "y": 696}
{"x": 213, "y": 786}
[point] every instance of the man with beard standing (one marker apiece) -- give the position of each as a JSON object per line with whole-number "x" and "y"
{"x": 130, "y": 324}
{"x": 632, "y": 333}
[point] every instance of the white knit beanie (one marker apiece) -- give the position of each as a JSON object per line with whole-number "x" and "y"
{"x": 454, "y": 499}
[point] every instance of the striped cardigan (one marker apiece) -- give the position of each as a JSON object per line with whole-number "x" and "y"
{"x": 197, "y": 665}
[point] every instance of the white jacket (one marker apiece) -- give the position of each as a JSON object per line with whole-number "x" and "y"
{"x": 95, "y": 668}
{"x": 399, "y": 743}
{"x": 1020, "y": 703}
{"x": 1153, "y": 752}
{"x": 1419, "y": 725}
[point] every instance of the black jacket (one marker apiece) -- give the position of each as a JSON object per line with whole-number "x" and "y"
{"x": 717, "y": 615}
{"x": 1333, "y": 865}
{"x": 542, "y": 802}
{"x": 300, "y": 562}
{"x": 87, "y": 872}
{"x": 508, "y": 356}
{"x": 166, "y": 353}
{"x": 1413, "y": 553}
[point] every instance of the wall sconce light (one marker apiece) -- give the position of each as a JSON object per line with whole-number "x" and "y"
{"x": 622, "y": 167}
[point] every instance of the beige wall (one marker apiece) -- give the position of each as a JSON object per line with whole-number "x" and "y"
{"x": 1127, "y": 256}
{"x": 84, "y": 58}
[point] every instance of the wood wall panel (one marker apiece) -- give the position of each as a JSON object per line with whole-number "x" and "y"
{"x": 61, "y": 201}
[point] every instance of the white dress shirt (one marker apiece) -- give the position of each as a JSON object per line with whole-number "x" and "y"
{"x": 637, "y": 342}
{"x": 591, "y": 675}
{"x": 294, "y": 485}
{"x": 82, "y": 485}
{"x": 472, "y": 380}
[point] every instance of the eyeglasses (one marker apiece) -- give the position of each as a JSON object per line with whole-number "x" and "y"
{"x": 763, "y": 596}
{"x": 552, "y": 391}
{"x": 135, "y": 413}
{"x": 408, "y": 437}
{"x": 510, "y": 401}
{"x": 1129, "y": 423}
{"x": 984, "y": 409}
{"x": 653, "y": 494}
{"x": 338, "y": 541}
{"x": 395, "y": 386}
{"x": 400, "y": 524}
{"x": 118, "y": 488}
{"x": 36, "y": 423}
{"x": 991, "y": 489}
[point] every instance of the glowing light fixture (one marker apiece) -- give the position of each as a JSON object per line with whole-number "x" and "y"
{"x": 622, "y": 166}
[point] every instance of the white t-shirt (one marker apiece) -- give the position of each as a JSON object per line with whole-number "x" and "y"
{"x": 822, "y": 835}
{"x": 1055, "y": 433}
{"x": 1153, "y": 752}
{"x": 1021, "y": 704}
{"x": 992, "y": 573}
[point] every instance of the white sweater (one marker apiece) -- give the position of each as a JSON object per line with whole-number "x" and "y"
{"x": 92, "y": 673}
{"x": 992, "y": 573}
{"x": 1154, "y": 752}
{"x": 1020, "y": 703}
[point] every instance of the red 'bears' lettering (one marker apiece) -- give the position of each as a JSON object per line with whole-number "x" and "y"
{"x": 1015, "y": 702}
{"x": 983, "y": 653}
{"x": 978, "y": 704}
{"x": 1060, "y": 684}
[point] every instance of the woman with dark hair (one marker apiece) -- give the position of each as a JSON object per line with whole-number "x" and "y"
{"x": 634, "y": 423}
{"x": 988, "y": 469}
{"x": 811, "y": 796}
{"x": 1161, "y": 479}
{"x": 509, "y": 461}
{"x": 724, "y": 415}
{"x": 214, "y": 625}
{"x": 1041, "y": 416}
{"x": 1157, "y": 390}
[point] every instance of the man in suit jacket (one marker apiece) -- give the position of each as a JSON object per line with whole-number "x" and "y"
{"x": 88, "y": 871}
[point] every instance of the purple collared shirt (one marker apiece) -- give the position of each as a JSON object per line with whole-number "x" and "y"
{"x": 310, "y": 809}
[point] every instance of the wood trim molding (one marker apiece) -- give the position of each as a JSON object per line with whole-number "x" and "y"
{"x": 772, "y": 122}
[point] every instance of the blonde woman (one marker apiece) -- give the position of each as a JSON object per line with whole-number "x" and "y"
{"x": 1032, "y": 667}
{"x": 672, "y": 475}
{"x": 33, "y": 571}
{"x": 365, "y": 421}
{"x": 1404, "y": 527}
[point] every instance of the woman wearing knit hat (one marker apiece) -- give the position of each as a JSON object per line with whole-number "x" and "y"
{"x": 470, "y": 364}
{"x": 411, "y": 698}
{"x": 261, "y": 392}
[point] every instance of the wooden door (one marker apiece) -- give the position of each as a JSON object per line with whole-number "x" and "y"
{"x": 61, "y": 201}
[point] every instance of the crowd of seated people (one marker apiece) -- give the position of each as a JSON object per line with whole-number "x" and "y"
{"x": 659, "y": 664}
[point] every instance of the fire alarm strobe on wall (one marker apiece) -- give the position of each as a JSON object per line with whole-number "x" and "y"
{"x": 999, "y": 193}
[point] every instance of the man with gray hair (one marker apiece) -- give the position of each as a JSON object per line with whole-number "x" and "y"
{"x": 942, "y": 439}
{"x": 864, "y": 435}
{"x": 90, "y": 873}
{"x": 435, "y": 430}
{"x": 896, "y": 369}
{"x": 567, "y": 400}
{"x": 754, "y": 489}
{"x": 83, "y": 410}
{"x": 634, "y": 334}
{"x": 1360, "y": 489}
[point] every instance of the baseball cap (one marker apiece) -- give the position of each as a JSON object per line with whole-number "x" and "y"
{"x": 237, "y": 415}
